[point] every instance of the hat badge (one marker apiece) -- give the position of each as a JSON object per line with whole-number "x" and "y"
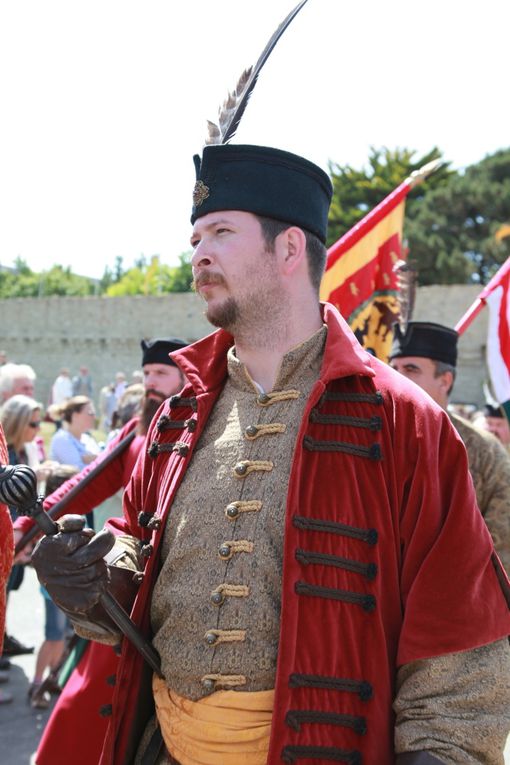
{"x": 200, "y": 193}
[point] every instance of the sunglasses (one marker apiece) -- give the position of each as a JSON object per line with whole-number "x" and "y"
{"x": 35, "y": 424}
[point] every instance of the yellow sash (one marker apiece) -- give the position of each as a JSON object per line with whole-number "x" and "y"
{"x": 225, "y": 728}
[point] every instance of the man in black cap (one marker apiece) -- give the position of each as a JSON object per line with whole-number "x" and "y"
{"x": 318, "y": 581}
{"x": 495, "y": 421}
{"x": 426, "y": 353}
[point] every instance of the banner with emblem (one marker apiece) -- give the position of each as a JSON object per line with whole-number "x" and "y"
{"x": 360, "y": 279}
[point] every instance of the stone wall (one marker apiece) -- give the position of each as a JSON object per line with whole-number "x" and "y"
{"x": 104, "y": 333}
{"x": 101, "y": 333}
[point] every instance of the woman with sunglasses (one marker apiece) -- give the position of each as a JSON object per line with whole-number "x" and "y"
{"x": 21, "y": 419}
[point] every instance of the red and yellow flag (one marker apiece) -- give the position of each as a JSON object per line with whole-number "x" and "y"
{"x": 360, "y": 279}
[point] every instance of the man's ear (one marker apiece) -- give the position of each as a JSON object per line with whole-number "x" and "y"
{"x": 291, "y": 249}
{"x": 447, "y": 380}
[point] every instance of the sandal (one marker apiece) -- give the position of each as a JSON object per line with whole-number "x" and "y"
{"x": 38, "y": 697}
{"x": 50, "y": 684}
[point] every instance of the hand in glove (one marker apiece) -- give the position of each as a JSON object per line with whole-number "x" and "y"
{"x": 70, "y": 564}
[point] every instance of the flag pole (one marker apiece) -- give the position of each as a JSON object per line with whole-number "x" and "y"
{"x": 475, "y": 308}
{"x": 470, "y": 315}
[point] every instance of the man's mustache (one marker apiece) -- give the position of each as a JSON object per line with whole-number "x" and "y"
{"x": 207, "y": 278}
{"x": 155, "y": 393}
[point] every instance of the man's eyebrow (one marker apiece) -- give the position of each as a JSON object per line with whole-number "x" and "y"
{"x": 212, "y": 224}
{"x": 216, "y": 222}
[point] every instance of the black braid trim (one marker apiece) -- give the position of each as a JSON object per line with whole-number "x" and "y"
{"x": 295, "y": 718}
{"x": 367, "y": 602}
{"x": 361, "y": 687}
{"x": 144, "y": 518}
{"x": 367, "y": 398}
{"x": 153, "y": 450}
{"x": 176, "y": 401}
{"x": 291, "y": 754}
{"x": 180, "y": 447}
{"x": 166, "y": 423}
{"x": 373, "y": 452}
{"x": 368, "y": 423}
{"x": 368, "y": 570}
{"x": 369, "y": 536}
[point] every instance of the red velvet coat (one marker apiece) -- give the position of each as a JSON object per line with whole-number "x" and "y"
{"x": 386, "y": 557}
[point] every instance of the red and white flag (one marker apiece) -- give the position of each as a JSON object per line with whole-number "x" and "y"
{"x": 496, "y": 295}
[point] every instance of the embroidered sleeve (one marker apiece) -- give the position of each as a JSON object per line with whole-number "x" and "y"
{"x": 456, "y": 707}
{"x": 491, "y": 475}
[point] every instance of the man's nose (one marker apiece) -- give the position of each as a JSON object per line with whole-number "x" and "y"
{"x": 202, "y": 255}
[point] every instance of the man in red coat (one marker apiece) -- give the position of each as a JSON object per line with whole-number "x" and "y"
{"x": 318, "y": 581}
{"x": 86, "y": 698}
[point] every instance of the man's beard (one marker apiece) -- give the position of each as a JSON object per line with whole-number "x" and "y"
{"x": 149, "y": 409}
{"x": 243, "y": 314}
{"x": 226, "y": 315}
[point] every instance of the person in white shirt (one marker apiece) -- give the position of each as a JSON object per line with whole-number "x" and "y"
{"x": 62, "y": 388}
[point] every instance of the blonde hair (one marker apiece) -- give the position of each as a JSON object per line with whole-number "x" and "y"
{"x": 15, "y": 415}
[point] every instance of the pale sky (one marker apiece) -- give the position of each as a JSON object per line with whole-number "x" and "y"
{"x": 104, "y": 102}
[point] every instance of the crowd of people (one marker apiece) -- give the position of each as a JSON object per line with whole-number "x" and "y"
{"x": 311, "y": 541}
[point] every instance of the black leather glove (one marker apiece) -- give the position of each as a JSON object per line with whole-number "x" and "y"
{"x": 70, "y": 564}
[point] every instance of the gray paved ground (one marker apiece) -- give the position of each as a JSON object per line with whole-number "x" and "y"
{"x": 21, "y": 726}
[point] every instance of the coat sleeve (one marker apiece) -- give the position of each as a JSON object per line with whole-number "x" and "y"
{"x": 143, "y": 488}
{"x": 455, "y": 708}
{"x": 109, "y": 481}
{"x": 494, "y": 469}
{"x": 451, "y": 594}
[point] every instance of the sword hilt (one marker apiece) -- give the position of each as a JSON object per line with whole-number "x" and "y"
{"x": 18, "y": 488}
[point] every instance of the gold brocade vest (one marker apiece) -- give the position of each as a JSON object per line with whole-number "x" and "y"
{"x": 216, "y": 605}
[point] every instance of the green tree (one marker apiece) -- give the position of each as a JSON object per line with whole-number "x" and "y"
{"x": 61, "y": 281}
{"x": 182, "y": 275}
{"x": 356, "y": 192}
{"x": 450, "y": 221}
{"x": 452, "y": 236}
{"x": 154, "y": 278}
{"x": 23, "y": 282}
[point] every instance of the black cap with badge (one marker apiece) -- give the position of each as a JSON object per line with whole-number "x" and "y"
{"x": 264, "y": 181}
